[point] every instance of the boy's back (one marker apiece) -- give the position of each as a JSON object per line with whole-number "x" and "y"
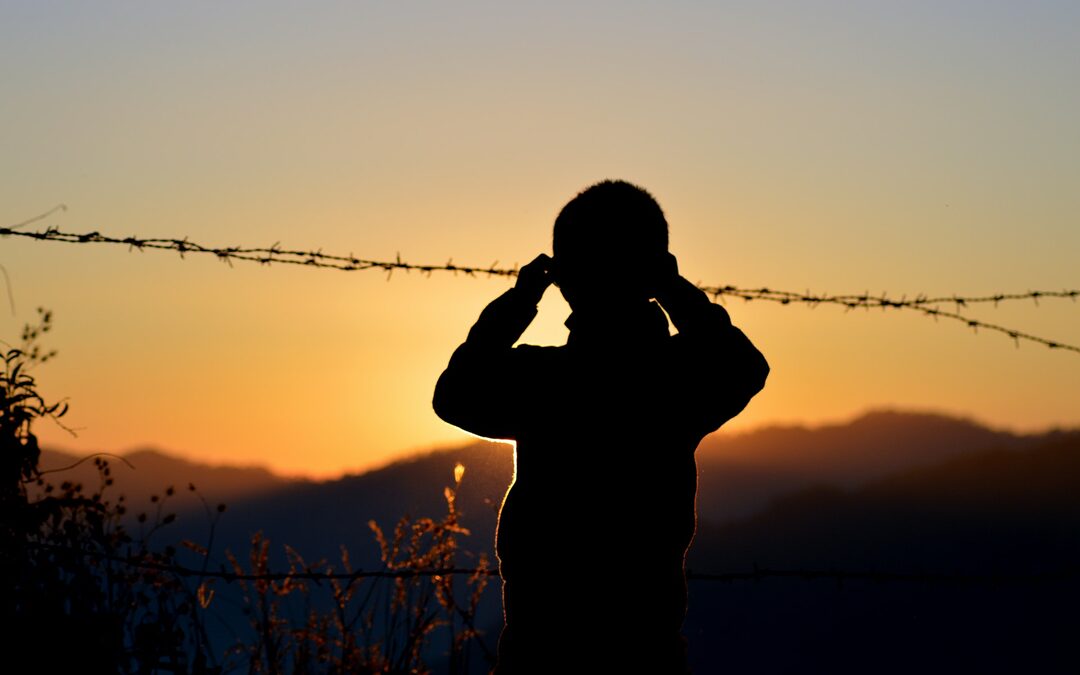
{"x": 594, "y": 529}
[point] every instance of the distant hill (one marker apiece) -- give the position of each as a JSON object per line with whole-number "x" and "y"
{"x": 738, "y": 474}
{"x": 890, "y": 491}
{"x": 145, "y": 472}
{"x": 971, "y": 510}
{"x": 998, "y": 511}
{"x": 316, "y": 518}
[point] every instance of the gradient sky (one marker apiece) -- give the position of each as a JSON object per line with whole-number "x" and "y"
{"x": 901, "y": 147}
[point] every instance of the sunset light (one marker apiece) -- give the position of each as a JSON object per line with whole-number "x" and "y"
{"x": 262, "y": 229}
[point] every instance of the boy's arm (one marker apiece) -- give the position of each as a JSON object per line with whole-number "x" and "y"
{"x": 472, "y": 393}
{"x": 728, "y": 369}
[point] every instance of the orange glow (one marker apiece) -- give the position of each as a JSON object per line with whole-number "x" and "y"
{"x": 866, "y": 167}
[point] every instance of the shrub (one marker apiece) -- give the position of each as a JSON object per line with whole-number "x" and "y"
{"x": 84, "y": 590}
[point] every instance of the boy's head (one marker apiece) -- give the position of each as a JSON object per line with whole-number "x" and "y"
{"x": 607, "y": 243}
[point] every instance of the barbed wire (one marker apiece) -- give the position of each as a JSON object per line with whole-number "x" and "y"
{"x": 926, "y": 305}
{"x": 756, "y": 574}
{"x": 839, "y": 576}
{"x": 273, "y": 254}
{"x": 866, "y": 300}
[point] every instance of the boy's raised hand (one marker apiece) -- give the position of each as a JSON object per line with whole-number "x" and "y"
{"x": 534, "y": 278}
{"x": 664, "y": 275}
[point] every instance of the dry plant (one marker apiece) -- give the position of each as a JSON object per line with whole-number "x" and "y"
{"x": 86, "y": 587}
{"x": 394, "y": 623}
{"x": 81, "y": 591}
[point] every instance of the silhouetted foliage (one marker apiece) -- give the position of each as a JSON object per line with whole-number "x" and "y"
{"x": 69, "y": 598}
{"x": 87, "y": 587}
{"x": 372, "y": 625}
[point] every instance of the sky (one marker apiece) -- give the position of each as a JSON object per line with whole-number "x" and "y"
{"x": 916, "y": 147}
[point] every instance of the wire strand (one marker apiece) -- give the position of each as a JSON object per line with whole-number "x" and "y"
{"x": 757, "y": 574}
{"x": 926, "y": 305}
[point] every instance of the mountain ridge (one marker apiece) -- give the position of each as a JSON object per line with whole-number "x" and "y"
{"x": 888, "y": 491}
{"x": 738, "y": 473}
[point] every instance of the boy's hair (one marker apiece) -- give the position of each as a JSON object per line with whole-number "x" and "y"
{"x": 611, "y": 217}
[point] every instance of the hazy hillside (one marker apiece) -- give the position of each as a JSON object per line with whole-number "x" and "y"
{"x": 316, "y": 518}
{"x": 1002, "y": 511}
{"x": 888, "y": 491}
{"x": 145, "y": 472}
{"x": 739, "y": 474}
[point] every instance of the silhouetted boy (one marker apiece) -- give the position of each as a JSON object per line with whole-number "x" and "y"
{"x": 594, "y": 529}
